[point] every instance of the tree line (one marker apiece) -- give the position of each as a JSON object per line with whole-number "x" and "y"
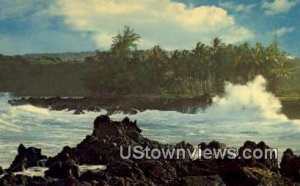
{"x": 125, "y": 70}
{"x": 43, "y": 76}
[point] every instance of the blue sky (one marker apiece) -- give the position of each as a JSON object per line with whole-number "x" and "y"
{"x": 38, "y": 26}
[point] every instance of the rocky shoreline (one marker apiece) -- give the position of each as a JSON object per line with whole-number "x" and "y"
{"x": 132, "y": 105}
{"x": 102, "y": 147}
{"x": 128, "y": 105}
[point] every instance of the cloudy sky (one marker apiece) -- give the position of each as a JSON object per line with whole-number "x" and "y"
{"x": 38, "y": 26}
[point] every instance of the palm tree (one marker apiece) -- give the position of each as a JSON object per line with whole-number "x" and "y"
{"x": 202, "y": 65}
{"x": 217, "y": 56}
{"x": 280, "y": 65}
{"x": 124, "y": 44}
{"x": 256, "y": 66}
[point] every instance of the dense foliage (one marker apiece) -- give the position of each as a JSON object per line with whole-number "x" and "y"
{"x": 44, "y": 76}
{"x": 126, "y": 70}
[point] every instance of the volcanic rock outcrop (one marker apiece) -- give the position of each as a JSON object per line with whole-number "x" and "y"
{"x": 103, "y": 147}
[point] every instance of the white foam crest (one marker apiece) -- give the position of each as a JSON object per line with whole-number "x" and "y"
{"x": 244, "y": 112}
{"x": 9, "y": 126}
{"x": 33, "y": 171}
{"x": 32, "y": 109}
{"x": 40, "y": 171}
{"x": 39, "y": 127}
{"x": 251, "y": 100}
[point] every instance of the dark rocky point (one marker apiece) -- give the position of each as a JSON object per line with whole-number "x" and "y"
{"x": 26, "y": 157}
{"x": 103, "y": 147}
{"x": 290, "y": 165}
{"x": 113, "y": 105}
{"x": 78, "y": 112}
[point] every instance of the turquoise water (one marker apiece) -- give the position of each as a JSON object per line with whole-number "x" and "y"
{"x": 246, "y": 112}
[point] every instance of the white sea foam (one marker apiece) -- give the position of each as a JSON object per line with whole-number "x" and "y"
{"x": 40, "y": 171}
{"x": 39, "y": 127}
{"x": 251, "y": 99}
{"x": 33, "y": 171}
{"x": 244, "y": 112}
{"x": 32, "y": 109}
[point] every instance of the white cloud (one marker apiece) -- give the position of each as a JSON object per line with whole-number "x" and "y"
{"x": 170, "y": 24}
{"x": 237, "y": 8}
{"x": 278, "y": 6}
{"x": 283, "y": 30}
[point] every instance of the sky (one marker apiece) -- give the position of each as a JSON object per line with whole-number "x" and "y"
{"x": 47, "y": 26}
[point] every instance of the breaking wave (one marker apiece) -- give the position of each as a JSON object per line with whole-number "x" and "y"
{"x": 244, "y": 112}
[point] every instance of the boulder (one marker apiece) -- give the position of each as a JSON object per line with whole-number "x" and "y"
{"x": 26, "y": 157}
{"x": 103, "y": 147}
{"x": 9, "y": 180}
{"x": 268, "y": 159}
{"x": 66, "y": 154}
{"x": 93, "y": 176}
{"x": 78, "y": 112}
{"x": 160, "y": 172}
{"x": 126, "y": 168}
{"x": 15, "y": 180}
{"x": 262, "y": 176}
{"x": 63, "y": 170}
{"x": 1, "y": 170}
{"x": 184, "y": 145}
{"x": 126, "y": 129}
{"x": 290, "y": 165}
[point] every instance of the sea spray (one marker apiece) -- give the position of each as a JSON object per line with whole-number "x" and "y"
{"x": 39, "y": 127}
{"x": 251, "y": 100}
{"x": 244, "y": 112}
{"x": 32, "y": 109}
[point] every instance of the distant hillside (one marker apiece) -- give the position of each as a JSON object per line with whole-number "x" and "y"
{"x": 68, "y": 56}
{"x": 41, "y": 76}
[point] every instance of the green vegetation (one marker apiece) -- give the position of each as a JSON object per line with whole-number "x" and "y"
{"x": 291, "y": 87}
{"x": 46, "y": 76}
{"x": 126, "y": 71}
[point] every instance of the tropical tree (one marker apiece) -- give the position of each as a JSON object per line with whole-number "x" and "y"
{"x": 125, "y": 70}
{"x": 124, "y": 44}
{"x": 280, "y": 65}
{"x": 202, "y": 65}
{"x": 217, "y": 56}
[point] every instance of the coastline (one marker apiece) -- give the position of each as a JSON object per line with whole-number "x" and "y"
{"x": 102, "y": 148}
{"x": 133, "y": 104}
